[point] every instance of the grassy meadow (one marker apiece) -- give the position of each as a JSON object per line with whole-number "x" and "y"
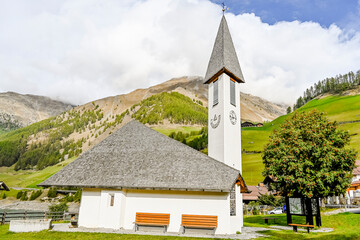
{"x": 344, "y": 225}
{"x": 184, "y": 129}
{"x": 29, "y": 178}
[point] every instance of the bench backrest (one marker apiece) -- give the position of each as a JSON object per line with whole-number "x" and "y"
{"x": 153, "y": 218}
{"x": 199, "y": 220}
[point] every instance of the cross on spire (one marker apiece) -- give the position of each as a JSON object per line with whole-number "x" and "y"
{"x": 224, "y": 8}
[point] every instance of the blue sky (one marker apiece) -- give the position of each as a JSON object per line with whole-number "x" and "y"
{"x": 343, "y": 13}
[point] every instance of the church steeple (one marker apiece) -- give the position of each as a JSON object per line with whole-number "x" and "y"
{"x": 223, "y": 57}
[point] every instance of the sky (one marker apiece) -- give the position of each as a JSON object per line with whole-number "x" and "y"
{"x": 82, "y": 50}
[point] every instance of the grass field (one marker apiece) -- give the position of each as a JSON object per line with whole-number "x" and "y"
{"x": 345, "y": 225}
{"x": 252, "y": 167}
{"x": 29, "y": 178}
{"x": 184, "y": 129}
{"x": 5, "y": 234}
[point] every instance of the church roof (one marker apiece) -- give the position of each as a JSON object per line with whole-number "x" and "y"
{"x": 223, "y": 57}
{"x": 137, "y": 157}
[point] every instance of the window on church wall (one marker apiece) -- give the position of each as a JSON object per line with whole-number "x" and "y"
{"x": 233, "y": 202}
{"x": 232, "y": 92}
{"x": 216, "y": 92}
{"x": 112, "y": 198}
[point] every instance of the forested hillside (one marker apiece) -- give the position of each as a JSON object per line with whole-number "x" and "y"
{"x": 56, "y": 139}
{"x": 174, "y": 107}
{"x": 333, "y": 85}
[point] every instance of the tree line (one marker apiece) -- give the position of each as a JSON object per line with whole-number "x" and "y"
{"x": 334, "y": 85}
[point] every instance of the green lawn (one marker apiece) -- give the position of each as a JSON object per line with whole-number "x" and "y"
{"x": 345, "y": 225}
{"x": 29, "y": 178}
{"x": 5, "y": 234}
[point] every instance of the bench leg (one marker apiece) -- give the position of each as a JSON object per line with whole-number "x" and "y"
{"x": 266, "y": 221}
{"x": 295, "y": 228}
{"x": 308, "y": 229}
{"x": 164, "y": 229}
{"x": 136, "y": 226}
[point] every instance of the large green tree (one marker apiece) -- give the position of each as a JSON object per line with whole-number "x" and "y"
{"x": 308, "y": 157}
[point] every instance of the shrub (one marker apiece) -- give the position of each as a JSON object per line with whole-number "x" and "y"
{"x": 54, "y": 209}
{"x": 77, "y": 196}
{"x": 24, "y": 196}
{"x": 19, "y": 194}
{"x": 52, "y": 193}
{"x": 35, "y": 194}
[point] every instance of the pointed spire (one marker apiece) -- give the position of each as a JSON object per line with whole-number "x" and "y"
{"x": 223, "y": 57}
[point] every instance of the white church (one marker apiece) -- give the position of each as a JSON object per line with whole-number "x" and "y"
{"x": 138, "y": 177}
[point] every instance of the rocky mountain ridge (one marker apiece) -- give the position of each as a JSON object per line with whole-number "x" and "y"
{"x": 20, "y": 110}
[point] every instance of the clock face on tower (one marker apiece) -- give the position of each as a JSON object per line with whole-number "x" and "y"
{"x": 232, "y": 116}
{"x": 215, "y": 121}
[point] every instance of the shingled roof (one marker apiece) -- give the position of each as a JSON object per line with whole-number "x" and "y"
{"x": 137, "y": 157}
{"x": 223, "y": 57}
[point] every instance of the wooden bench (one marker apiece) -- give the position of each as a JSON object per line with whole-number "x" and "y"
{"x": 294, "y": 225}
{"x": 269, "y": 218}
{"x": 199, "y": 221}
{"x": 152, "y": 219}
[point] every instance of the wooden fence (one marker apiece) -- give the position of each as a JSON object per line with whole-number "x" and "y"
{"x": 6, "y": 217}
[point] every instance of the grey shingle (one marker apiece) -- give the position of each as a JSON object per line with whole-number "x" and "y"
{"x": 223, "y": 57}
{"x": 138, "y": 157}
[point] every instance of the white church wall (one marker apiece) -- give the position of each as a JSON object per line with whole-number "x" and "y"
{"x": 89, "y": 208}
{"x": 96, "y": 210}
{"x": 178, "y": 203}
{"x": 110, "y": 216}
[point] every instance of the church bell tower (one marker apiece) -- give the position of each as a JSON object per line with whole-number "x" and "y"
{"x": 223, "y": 77}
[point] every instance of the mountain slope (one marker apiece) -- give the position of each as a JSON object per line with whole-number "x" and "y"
{"x": 253, "y": 108}
{"x": 18, "y": 110}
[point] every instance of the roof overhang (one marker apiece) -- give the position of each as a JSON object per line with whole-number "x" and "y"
{"x": 221, "y": 71}
{"x": 240, "y": 182}
{"x": 137, "y": 188}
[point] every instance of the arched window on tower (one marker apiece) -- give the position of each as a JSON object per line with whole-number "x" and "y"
{"x": 216, "y": 92}
{"x": 232, "y": 92}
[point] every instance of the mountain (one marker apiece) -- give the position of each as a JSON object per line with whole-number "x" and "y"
{"x": 253, "y": 108}
{"x": 18, "y": 110}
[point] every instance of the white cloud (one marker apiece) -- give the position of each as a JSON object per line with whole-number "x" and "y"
{"x": 83, "y": 50}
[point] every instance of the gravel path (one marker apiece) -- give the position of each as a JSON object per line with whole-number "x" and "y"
{"x": 300, "y": 229}
{"x": 247, "y": 233}
{"x": 341, "y": 210}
